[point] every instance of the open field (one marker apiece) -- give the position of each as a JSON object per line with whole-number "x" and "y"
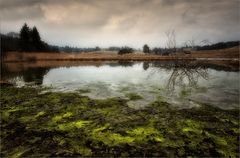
{"x": 224, "y": 53}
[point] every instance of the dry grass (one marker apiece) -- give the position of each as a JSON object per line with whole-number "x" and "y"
{"x": 222, "y": 53}
{"x": 37, "y": 56}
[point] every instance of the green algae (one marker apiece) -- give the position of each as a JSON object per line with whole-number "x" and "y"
{"x": 58, "y": 118}
{"x": 73, "y": 125}
{"x": 40, "y": 114}
{"x": 84, "y": 91}
{"x": 191, "y": 126}
{"x": 141, "y": 134}
{"x": 68, "y": 124}
{"x": 18, "y": 152}
{"x": 185, "y": 93}
{"x": 133, "y": 96}
{"x": 124, "y": 89}
{"x": 104, "y": 135}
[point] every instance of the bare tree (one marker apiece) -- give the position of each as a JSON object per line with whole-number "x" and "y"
{"x": 171, "y": 40}
{"x": 185, "y": 70}
{"x": 205, "y": 42}
{"x": 193, "y": 43}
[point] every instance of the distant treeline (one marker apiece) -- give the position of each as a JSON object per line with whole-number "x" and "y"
{"x": 220, "y": 45}
{"x": 167, "y": 51}
{"x": 9, "y": 43}
{"x": 28, "y": 40}
{"x": 69, "y": 49}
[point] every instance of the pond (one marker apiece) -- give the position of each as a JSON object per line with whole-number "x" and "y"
{"x": 120, "y": 109}
{"x": 183, "y": 84}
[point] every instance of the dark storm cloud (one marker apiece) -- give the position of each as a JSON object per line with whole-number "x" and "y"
{"x": 117, "y": 22}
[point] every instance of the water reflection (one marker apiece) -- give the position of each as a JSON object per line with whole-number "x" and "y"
{"x": 181, "y": 83}
{"x": 184, "y": 73}
{"x": 122, "y": 63}
{"x": 35, "y": 75}
{"x": 27, "y": 74}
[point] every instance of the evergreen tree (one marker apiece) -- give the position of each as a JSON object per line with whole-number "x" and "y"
{"x": 25, "y": 38}
{"x": 146, "y": 49}
{"x": 36, "y": 39}
{"x": 35, "y": 35}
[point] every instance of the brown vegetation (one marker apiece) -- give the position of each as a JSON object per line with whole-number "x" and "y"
{"x": 37, "y": 56}
{"x": 221, "y": 53}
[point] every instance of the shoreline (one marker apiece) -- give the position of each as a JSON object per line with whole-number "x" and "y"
{"x": 231, "y": 54}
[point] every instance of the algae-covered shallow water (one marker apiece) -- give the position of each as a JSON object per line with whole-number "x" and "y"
{"x": 184, "y": 84}
{"x": 120, "y": 109}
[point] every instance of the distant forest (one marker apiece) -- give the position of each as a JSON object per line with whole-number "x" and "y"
{"x": 29, "y": 40}
{"x": 220, "y": 45}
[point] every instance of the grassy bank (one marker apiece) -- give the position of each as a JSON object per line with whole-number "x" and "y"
{"x": 230, "y": 53}
{"x": 34, "y": 123}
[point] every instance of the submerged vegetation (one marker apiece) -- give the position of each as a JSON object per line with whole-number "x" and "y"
{"x": 34, "y": 123}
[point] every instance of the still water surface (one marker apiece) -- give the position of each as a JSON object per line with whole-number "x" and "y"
{"x": 183, "y": 85}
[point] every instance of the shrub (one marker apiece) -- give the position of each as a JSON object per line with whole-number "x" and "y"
{"x": 125, "y": 50}
{"x": 146, "y": 49}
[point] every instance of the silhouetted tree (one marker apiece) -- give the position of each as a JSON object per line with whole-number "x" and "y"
{"x": 25, "y": 37}
{"x": 114, "y": 48}
{"x": 125, "y": 50}
{"x": 35, "y": 35}
{"x": 97, "y": 48}
{"x": 157, "y": 51}
{"x": 146, "y": 49}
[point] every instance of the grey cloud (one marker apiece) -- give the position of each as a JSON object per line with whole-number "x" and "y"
{"x": 124, "y": 21}
{"x": 8, "y": 4}
{"x": 34, "y": 12}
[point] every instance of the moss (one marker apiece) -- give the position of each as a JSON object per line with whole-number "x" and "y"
{"x": 26, "y": 119}
{"x": 160, "y": 98}
{"x": 84, "y": 90}
{"x": 58, "y": 118}
{"x": 185, "y": 93}
{"x": 134, "y": 96}
{"x": 68, "y": 114}
{"x": 84, "y": 151}
{"x": 41, "y": 113}
{"x": 236, "y": 130}
{"x": 176, "y": 143}
{"x": 78, "y": 147}
{"x": 60, "y": 140}
{"x": 34, "y": 140}
{"x": 18, "y": 152}
{"x": 107, "y": 111}
{"x": 5, "y": 115}
{"x": 104, "y": 134}
{"x": 73, "y": 125}
{"x": 124, "y": 89}
{"x": 223, "y": 145}
{"x": 189, "y": 125}
{"x": 35, "y": 124}
{"x": 146, "y": 133}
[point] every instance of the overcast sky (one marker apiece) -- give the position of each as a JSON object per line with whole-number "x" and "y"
{"x": 89, "y": 23}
